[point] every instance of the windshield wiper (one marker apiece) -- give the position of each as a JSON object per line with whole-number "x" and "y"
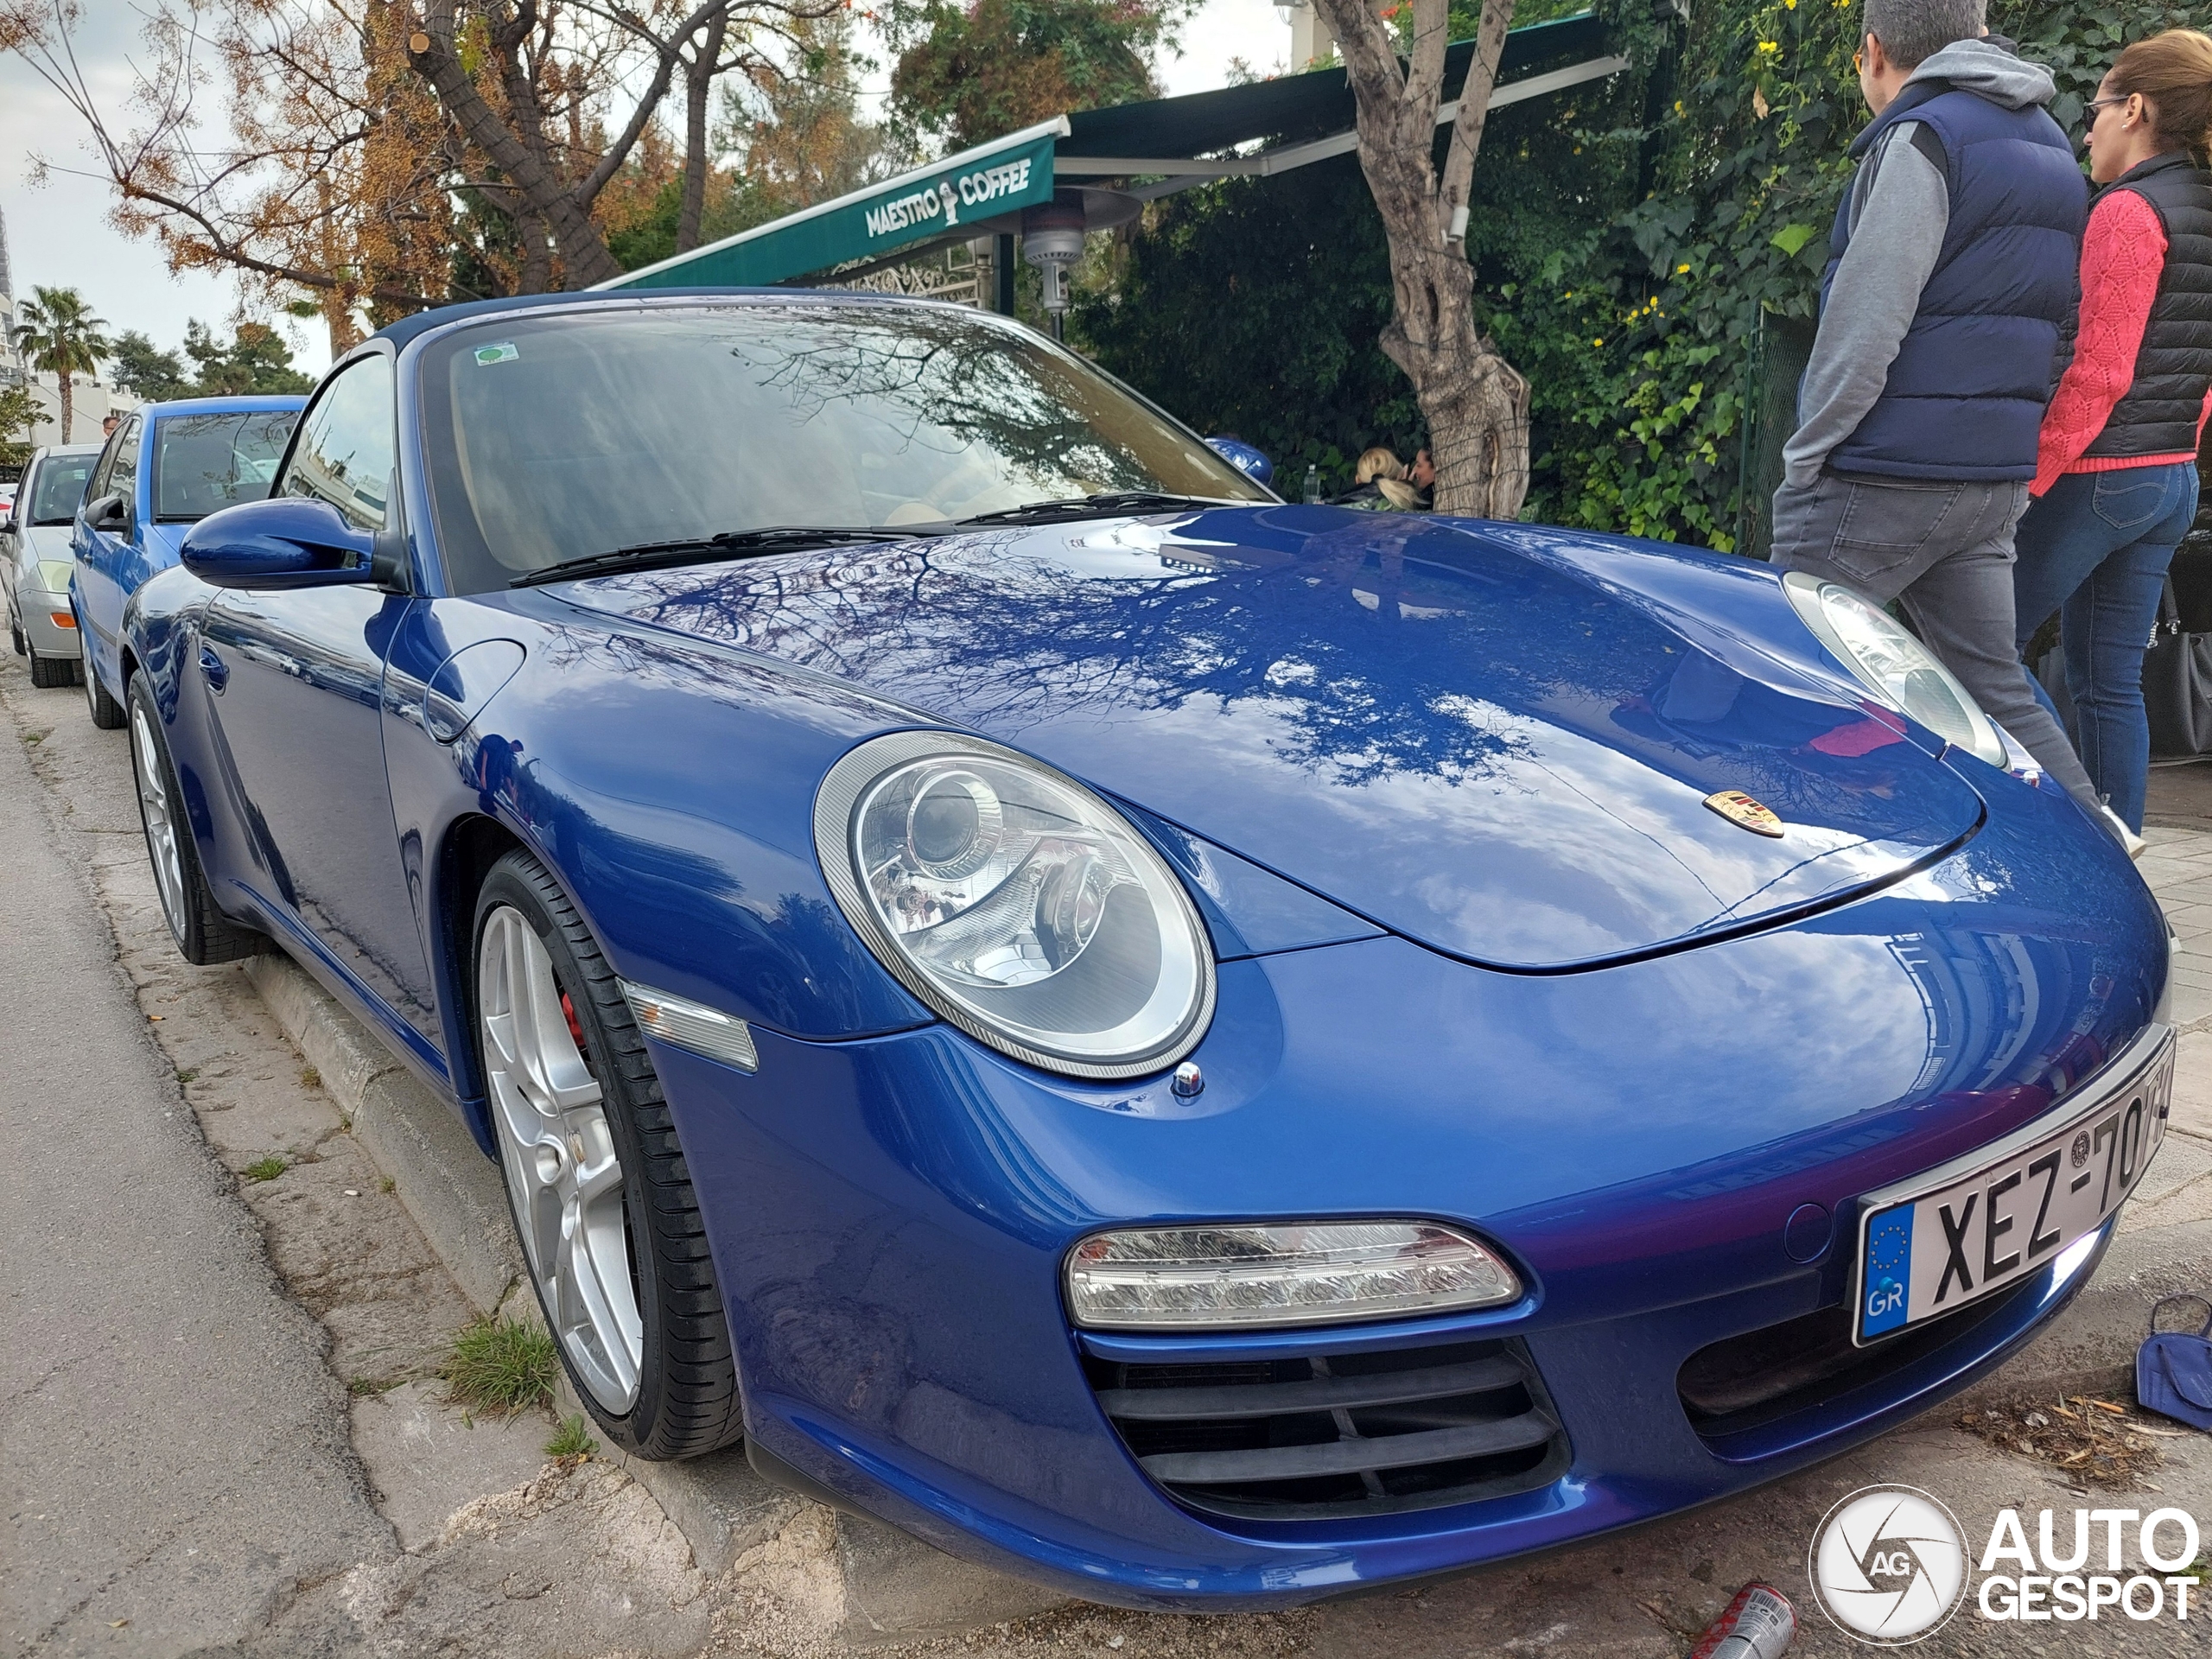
{"x": 694, "y": 549}
{"x": 1103, "y": 505}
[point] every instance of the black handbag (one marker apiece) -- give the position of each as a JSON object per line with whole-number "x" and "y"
{"x": 2177, "y": 684}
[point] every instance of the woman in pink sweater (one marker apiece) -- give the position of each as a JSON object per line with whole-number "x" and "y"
{"x": 2116, "y": 484}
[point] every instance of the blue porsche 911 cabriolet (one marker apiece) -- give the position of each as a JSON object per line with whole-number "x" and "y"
{"x": 1205, "y": 1050}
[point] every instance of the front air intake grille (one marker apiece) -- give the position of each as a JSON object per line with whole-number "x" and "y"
{"x": 1339, "y": 1434}
{"x": 1763, "y": 1376}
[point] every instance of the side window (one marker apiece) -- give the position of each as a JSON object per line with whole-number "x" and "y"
{"x": 122, "y": 464}
{"x": 344, "y": 455}
{"x": 105, "y": 468}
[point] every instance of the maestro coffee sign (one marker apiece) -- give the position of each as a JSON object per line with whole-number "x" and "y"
{"x": 945, "y": 198}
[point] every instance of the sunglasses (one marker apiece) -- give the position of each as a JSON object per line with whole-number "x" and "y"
{"x": 2097, "y": 104}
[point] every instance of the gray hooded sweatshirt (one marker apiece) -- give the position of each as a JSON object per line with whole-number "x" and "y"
{"x": 1900, "y": 209}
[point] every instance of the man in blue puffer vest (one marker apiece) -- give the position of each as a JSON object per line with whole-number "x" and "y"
{"x": 1951, "y": 272}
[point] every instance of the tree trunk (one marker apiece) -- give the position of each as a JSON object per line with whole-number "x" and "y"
{"x": 432, "y": 53}
{"x": 698, "y": 82}
{"x": 68, "y": 402}
{"x": 1476, "y": 404}
{"x": 536, "y": 275}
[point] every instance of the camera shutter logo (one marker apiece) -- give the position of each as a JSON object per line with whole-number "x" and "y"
{"x": 1889, "y": 1565}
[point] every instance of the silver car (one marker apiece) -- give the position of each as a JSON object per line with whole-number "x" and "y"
{"x": 34, "y": 555}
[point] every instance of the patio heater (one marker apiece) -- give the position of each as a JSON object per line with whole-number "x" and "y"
{"x": 1051, "y": 239}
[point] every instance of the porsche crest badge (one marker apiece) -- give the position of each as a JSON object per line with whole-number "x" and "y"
{"x": 1743, "y": 812}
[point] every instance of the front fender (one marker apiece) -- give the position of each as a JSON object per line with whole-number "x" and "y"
{"x": 670, "y": 787}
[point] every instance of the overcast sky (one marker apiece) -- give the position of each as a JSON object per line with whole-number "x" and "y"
{"x": 59, "y": 236}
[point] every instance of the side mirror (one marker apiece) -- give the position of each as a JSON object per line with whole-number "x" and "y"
{"x": 110, "y": 512}
{"x": 289, "y": 542}
{"x": 1245, "y": 458}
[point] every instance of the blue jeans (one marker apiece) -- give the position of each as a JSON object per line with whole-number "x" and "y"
{"x": 2096, "y": 549}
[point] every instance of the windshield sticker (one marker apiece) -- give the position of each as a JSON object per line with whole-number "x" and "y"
{"x": 502, "y": 352}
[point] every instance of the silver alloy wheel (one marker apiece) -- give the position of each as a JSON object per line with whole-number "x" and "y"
{"x": 563, "y": 1171}
{"x": 161, "y": 822}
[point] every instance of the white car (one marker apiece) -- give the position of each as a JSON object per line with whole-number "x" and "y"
{"x": 35, "y": 556}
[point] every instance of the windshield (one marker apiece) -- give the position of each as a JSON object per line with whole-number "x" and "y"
{"x": 554, "y": 438}
{"x": 59, "y": 487}
{"x": 203, "y": 463}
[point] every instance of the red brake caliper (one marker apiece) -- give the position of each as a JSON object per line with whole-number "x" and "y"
{"x": 576, "y": 1027}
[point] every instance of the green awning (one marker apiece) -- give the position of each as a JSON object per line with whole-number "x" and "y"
{"x": 986, "y": 183}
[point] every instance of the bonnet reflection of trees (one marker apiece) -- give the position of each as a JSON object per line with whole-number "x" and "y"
{"x": 1388, "y": 647}
{"x": 945, "y": 375}
{"x": 933, "y": 621}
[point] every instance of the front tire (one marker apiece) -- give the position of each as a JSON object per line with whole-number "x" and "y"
{"x": 108, "y": 713}
{"x": 601, "y": 1200}
{"x": 202, "y": 933}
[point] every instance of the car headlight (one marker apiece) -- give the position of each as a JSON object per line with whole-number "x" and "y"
{"x": 1171, "y": 1278}
{"x": 1896, "y": 667}
{"x": 1016, "y": 903}
{"x": 54, "y": 575}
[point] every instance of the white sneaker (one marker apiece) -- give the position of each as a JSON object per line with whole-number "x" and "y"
{"x": 2132, "y": 844}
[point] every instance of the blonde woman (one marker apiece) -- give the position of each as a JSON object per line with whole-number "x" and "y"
{"x": 1381, "y": 484}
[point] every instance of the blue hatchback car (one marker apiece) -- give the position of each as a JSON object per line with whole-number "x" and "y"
{"x": 1209, "y": 1052}
{"x": 167, "y": 467}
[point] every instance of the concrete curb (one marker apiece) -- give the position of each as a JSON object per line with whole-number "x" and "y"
{"x": 896, "y": 1587}
{"x": 716, "y": 1502}
{"x": 448, "y": 1186}
{"x": 892, "y": 1588}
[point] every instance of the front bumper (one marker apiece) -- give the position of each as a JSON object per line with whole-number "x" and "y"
{"x": 889, "y": 1216}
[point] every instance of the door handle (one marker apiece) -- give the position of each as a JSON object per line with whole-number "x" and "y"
{"x": 216, "y": 671}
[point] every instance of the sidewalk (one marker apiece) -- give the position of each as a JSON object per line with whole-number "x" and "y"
{"x": 173, "y": 1456}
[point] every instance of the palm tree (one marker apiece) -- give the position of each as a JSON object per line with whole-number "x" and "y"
{"x": 56, "y": 330}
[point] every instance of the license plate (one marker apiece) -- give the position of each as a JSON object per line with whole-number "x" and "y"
{"x": 1931, "y": 1245}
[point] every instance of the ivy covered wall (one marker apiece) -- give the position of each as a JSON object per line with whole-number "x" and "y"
{"x": 1627, "y": 247}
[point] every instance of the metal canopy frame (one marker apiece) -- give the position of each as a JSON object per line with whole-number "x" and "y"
{"x": 1171, "y": 174}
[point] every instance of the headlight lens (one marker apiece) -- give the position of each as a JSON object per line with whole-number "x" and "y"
{"x": 1175, "y": 1278}
{"x": 54, "y": 575}
{"x": 1893, "y": 665}
{"x": 1016, "y": 903}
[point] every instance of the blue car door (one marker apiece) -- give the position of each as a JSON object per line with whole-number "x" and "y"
{"x": 102, "y": 556}
{"x": 296, "y": 683}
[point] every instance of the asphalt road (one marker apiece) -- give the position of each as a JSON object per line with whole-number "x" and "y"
{"x": 174, "y": 1456}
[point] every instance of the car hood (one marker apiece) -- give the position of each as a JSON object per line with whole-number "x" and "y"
{"x": 1497, "y": 740}
{"x": 48, "y": 543}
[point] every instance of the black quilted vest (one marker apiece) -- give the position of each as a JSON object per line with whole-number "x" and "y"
{"x": 2173, "y": 369}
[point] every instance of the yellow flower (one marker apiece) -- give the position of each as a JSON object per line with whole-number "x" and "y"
{"x": 1597, "y": 342}
{"x": 1770, "y": 46}
{"x": 1681, "y": 271}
